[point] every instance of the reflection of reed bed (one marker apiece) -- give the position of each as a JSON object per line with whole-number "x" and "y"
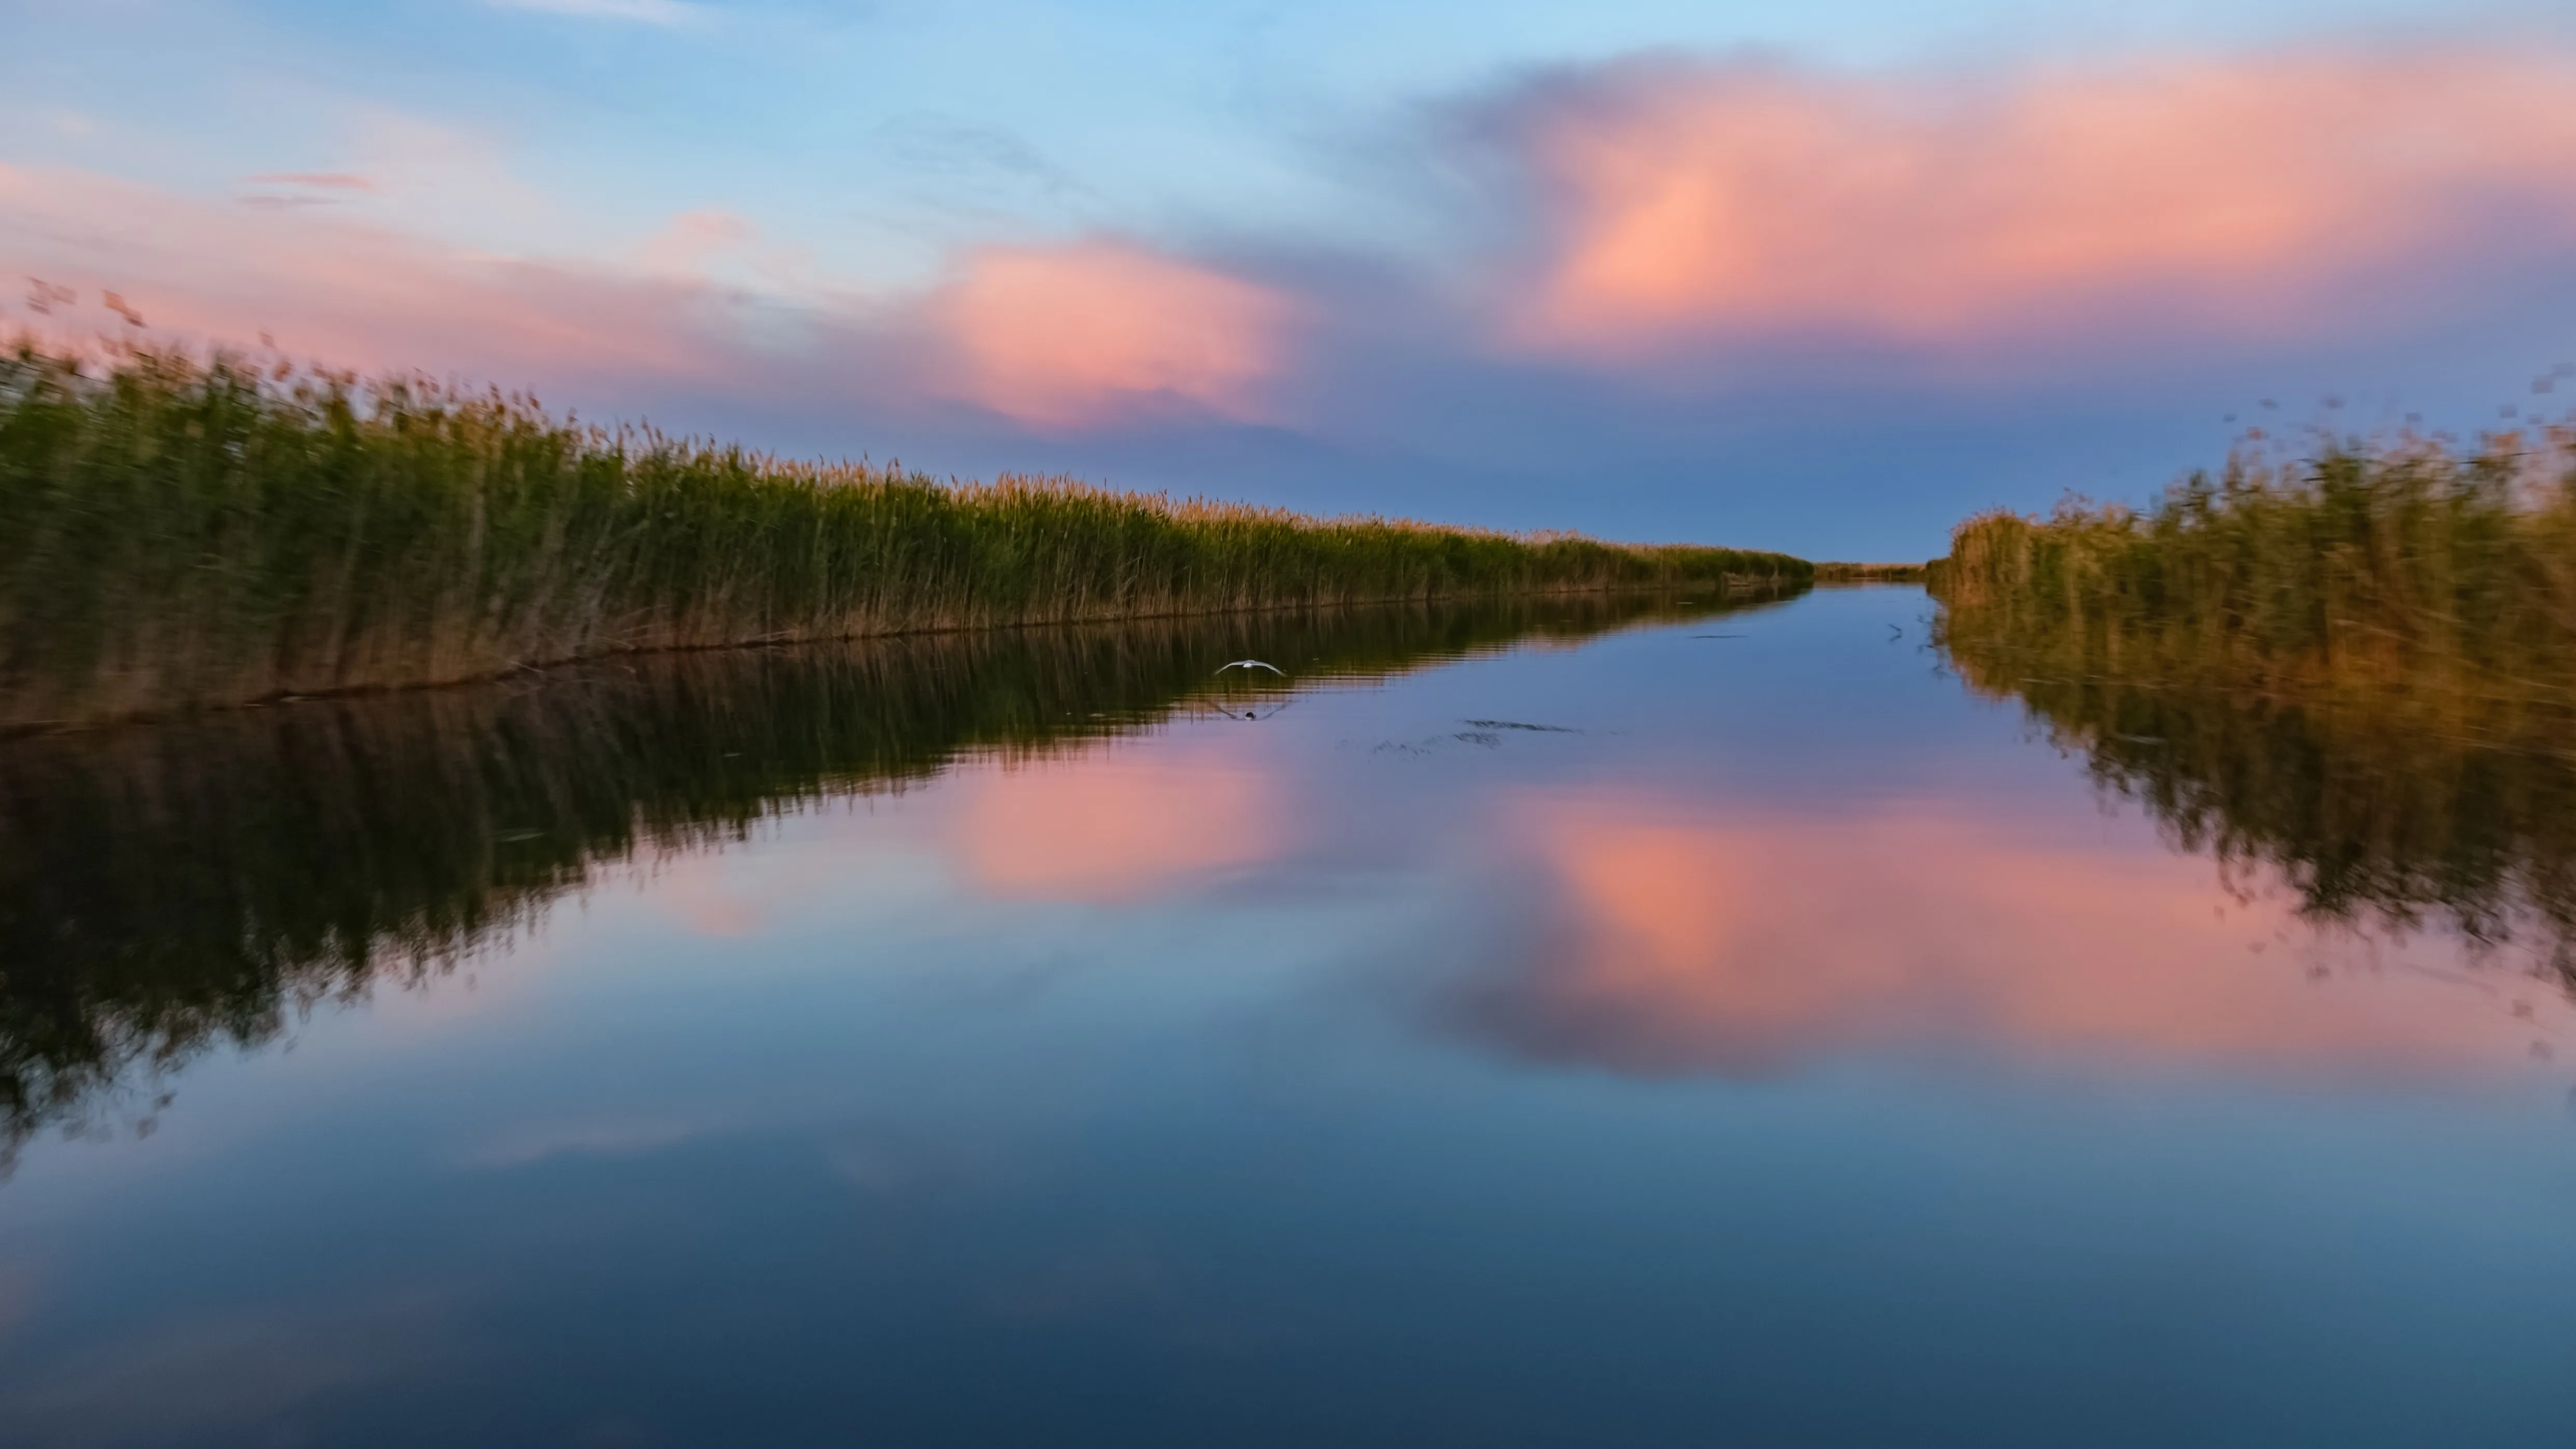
{"x": 2368, "y": 817}
{"x": 164, "y": 888}
{"x": 181, "y": 535}
{"x": 2360, "y": 670}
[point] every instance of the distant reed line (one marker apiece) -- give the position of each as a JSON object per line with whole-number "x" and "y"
{"x": 177, "y": 534}
{"x": 1871, "y": 573}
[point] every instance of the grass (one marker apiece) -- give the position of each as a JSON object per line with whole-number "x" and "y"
{"x": 2357, "y": 668}
{"x": 182, "y": 535}
{"x": 170, "y": 888}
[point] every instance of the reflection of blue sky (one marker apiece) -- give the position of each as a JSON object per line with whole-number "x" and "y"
{"x": 818, "y": 1136}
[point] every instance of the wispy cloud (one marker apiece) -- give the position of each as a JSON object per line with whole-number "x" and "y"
{"x": 345, "y": 292}
{"x": 641, "y": 12}
{"x": 1062, "y": 338}
{"x": 316, "y": 180}
{"x": 288, "y": 190}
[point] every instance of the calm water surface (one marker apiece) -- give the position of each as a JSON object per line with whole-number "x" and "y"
{"x": 1627, "y": 1025}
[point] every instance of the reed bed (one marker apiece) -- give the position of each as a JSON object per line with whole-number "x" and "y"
{"x": 182, "y": 534}
{"x": 2405, "y": 573}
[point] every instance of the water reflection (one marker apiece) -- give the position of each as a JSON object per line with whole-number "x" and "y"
{"x": 2378, "y": 808}
{"x": 165, "y": 888}
{"x": 1609, "y": 1044}
{"x": 1765, "y": 941}
{"x": 1119, "y": 830}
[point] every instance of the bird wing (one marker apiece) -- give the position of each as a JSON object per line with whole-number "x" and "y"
{"x": 1253, "y": 664}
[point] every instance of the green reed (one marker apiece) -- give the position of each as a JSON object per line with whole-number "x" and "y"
{"x": 177, "y": 534}
{"x": 2406, "y": 572}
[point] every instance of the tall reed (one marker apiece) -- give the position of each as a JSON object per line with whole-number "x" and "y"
{"x": 2406, "y": 572}
{"x": 178, "y": 534}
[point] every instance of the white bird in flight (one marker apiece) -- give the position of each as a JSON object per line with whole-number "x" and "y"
{"x": 1252, "y": 664}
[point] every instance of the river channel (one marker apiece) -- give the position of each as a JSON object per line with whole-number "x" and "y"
{"x": 1645, "y": 1022}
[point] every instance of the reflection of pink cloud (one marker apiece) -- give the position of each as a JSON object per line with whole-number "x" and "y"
{"x": 521, "y": 1143}
{"x": 730, "y": 894}
{"x": 1749, "y": 945}
{"x": 1695, "y": 202}
{"x": 1064, "y": 335}
{"x": 17, "y": 1298}
{"x": 708, "y": 902}
{"x": 196, "y": 1375}
{"x": 1113, "y": 828}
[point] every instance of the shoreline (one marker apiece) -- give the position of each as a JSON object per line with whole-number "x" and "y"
{"x": 1746, "y": 588}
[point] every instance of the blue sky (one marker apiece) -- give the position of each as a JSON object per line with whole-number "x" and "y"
{"x": 1823, "y": 277}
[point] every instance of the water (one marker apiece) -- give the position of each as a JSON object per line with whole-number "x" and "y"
{"x": 1670, "y": 1026}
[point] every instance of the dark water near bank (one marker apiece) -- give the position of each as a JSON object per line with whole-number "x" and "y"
{"x": 1603, "y": 1023}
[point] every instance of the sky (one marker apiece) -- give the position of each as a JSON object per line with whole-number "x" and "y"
{"x": 1825, "y": 277}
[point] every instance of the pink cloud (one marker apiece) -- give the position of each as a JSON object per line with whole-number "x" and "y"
{"x": 346, "y": 292}
{"x": 1688, "y": 203}
{"x": 1687, "y": 946}
{"x": 1060, "y": 337}
{"x": 1063, "y": 336}
{"x": 2286, "y": 197}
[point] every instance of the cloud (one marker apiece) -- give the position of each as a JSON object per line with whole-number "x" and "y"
{"x": 1649, "y": 260}
{"x": 304, "y": 188}
{"x": 693, "y": 239}
{"x": 1676, "y": 203}
{"x": 668, "y": 13}
{"x": 347, "y": 292}
{"x": 1061, "y": 336}
{"x": 316, "y": 180}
